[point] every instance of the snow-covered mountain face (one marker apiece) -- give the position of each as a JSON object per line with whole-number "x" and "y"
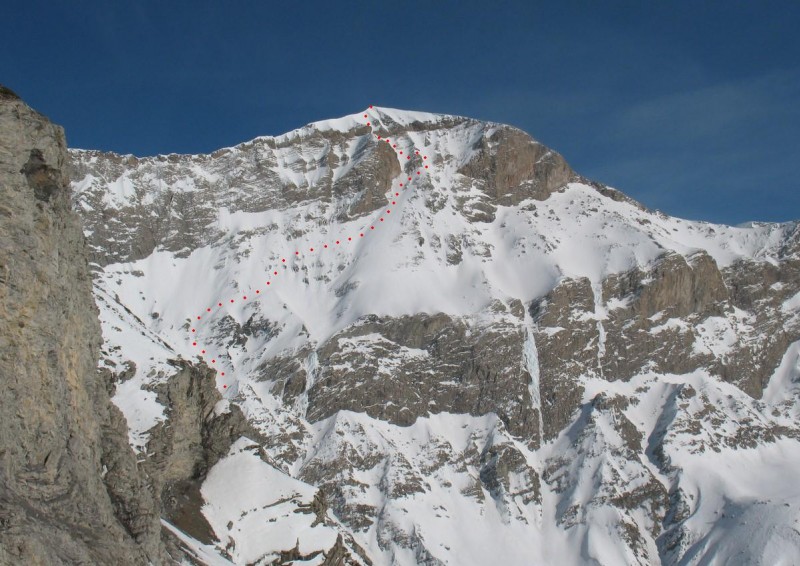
{"x": 511, "y": 365}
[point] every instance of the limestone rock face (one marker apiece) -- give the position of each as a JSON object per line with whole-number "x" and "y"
{"x": 432, "y": 363}
{"x": 70, "y": 488}
{"x": 662, "y": 319}
{"x": 183, "y": 448}
{"x": 513, "y": 167}
{"x": 566, "y": 343}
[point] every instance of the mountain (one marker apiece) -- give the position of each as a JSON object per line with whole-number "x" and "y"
{"x": 407, "y": 338}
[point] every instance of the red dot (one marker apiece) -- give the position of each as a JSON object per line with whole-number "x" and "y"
{"x": 245, "y": 297}
{"x": 198, "y": 318}
{"x": 372, "y": 227}
{"x": 258, "y": 291}
{"x": 224, "y": 386}
{"x": 401, "y": 153}
{"x": 213, "y": 361}
{"x": 202, "y": 351}
{"x": 387, "y": 140}
{"x": 365, "y": 115}
{"x": 418, "y": 172}
{"x": 325, "y": 246}
{"x": 223, "y": 373}
{"x": 283, "y": 260}
{"x": 370, "y": 105}
{"x": 388, "y": 211}
{"x": 208, "y": 310}
{"x": 368, "y": 124}
{"x": 409, "y": 178}
{"x": 192, "y": 329}
{"x": 379, "y": 137}
{"x": 219, "y": 304}
{"x": 381, "y": 219}
{"x": 349, "y": 239}
{"x": 274, "y": 272}
{"x": 337, "y": 242}
{"x": 401, "y": 184}
{"x": 409, "y": 157}
{"x": 394, "y": 145}
{"x": 362, "y": 235}
{"x": 231, "y": 300}
{"x": 426, "y": 157}
{"x": 268, "y": 283}
{"x": 397, "y": 194}
{"x": 416, "y": 152}
{"x": 194, "y": 343}
{"x": 393, "y": 202}
{"x": 312, "y": 249}
{"x": 296, "y": 253}
{"x": 426, "y": 167}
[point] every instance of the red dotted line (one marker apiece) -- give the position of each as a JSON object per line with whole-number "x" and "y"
{"x": 402, "y": 185}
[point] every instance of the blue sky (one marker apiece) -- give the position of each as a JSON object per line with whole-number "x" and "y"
{"x": 689, "y": 107}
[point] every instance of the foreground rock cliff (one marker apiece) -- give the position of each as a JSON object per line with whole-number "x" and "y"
{"x": 70, "y": 488}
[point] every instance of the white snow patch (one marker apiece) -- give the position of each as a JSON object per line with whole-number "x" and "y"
{"x": 261, "y": 503}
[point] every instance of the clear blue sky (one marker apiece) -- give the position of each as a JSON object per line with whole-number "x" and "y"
{"x": 690, "y": 107}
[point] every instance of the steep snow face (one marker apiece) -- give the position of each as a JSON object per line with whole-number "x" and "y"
{"x": 494, "y": 264}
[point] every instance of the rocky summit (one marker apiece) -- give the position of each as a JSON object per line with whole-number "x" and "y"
{"x": 392, "y": 338}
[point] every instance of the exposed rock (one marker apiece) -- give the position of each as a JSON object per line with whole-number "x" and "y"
{"x": 506, "y": 473}
{"x": 672, "y": 286}
{"x": 158, "y": 216}
{"x": 423, "y": 364}
{"x": 660, "y": 319}
{"x": 508, "y": 166}
{"x": 761, "y": 289}
{"x": 566, "y": 344}
{"x": 337, "y": 555}
{"x": 46, "y": 181}
{"x": 8, "y": 94}
{"x": 70, "y": 489}
{"x": 192, "y": 439}
{"x": 513, "y": 167}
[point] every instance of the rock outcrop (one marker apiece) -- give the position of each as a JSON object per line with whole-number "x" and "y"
{"x": 431, "y": 364}
{"x": 71, "y": 491}
{"x": 677, "y": 316}
{"x": 198, "y": 431}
